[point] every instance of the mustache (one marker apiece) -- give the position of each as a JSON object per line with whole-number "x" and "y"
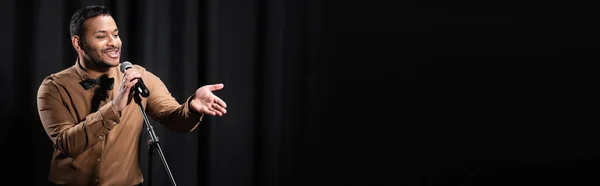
{"x": 110, "y": 49}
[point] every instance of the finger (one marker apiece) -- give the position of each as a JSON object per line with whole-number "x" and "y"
{"x": 211, "y": 112}
{"x": 220, "y": 102}
{"x": 215, "y": 87}
{"x": 218, "y": 107}
{"x": 132, "y": 73}
{"x": 136, "y": 75}
{"x": 123, "y": 84}
{"x": 124, "y": 80}
{"x": 129, "y": 77}
{"x": 218, "y": 113}
{"x": 127, "y": 72}
{"x": 130, "y": 84}
{"x": 130, "y": 70}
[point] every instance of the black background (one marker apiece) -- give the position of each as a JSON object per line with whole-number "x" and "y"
{"x": 339, "y": 92}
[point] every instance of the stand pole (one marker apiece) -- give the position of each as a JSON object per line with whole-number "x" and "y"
{"x": 153, "y": 144}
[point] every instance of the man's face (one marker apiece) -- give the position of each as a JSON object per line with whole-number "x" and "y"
{"x": 102, "y": 45}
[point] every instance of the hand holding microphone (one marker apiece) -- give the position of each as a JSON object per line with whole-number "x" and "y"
{"x": 131, "y": 79}
{"x": 140, "y": 87}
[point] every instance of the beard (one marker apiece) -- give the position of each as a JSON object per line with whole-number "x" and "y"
{"x": 95, "y": 59}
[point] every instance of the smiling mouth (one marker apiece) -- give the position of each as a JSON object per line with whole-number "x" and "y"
{"x": 113, "y": 53}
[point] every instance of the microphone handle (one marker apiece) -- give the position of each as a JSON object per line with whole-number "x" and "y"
{"x": 141, "y": 88}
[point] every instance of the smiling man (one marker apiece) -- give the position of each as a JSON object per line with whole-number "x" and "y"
{"x": 87, "y": 113}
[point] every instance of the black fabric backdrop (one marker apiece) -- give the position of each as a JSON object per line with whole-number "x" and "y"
{"x": 337, "y": 92}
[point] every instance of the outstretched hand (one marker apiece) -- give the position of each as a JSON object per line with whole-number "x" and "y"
{"x": 205, "y": 102}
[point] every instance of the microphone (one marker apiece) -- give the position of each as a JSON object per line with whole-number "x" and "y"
{"x": 139, "y": 87}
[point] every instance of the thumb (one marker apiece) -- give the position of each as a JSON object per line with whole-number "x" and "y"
{"x": 218, "y": 86}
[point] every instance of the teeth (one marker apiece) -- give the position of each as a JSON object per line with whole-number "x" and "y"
{"x": 113, "y": 53}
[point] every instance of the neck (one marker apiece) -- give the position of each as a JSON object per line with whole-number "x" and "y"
{"x": 91, "y": 68}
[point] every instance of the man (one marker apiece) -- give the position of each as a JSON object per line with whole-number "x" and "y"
{"x": 89, "y": 112}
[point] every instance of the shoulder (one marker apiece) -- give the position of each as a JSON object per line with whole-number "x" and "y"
{"x": 62, "y": 76}
{"x": 51, "y": 82}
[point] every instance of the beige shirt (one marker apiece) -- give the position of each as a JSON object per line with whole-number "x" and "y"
{"x": 93, "y": 143}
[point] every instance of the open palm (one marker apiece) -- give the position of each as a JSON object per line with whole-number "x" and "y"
{"x": 206, "y": 102}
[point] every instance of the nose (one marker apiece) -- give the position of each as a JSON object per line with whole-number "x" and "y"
{"x": 112, "y": 41}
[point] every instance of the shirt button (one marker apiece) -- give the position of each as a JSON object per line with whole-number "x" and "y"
{"x": 114, "y": 122}
{"x": 101, "y": 137}
{"x": 96, "y": 180}
{"x": 98, "y": 159}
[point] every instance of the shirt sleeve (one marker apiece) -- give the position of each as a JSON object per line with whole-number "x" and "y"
{"x": 163, "y": 107}
{"x": 69, "y": 136}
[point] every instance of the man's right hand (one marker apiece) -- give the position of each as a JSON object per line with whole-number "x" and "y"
{"x": 125, "y": 94}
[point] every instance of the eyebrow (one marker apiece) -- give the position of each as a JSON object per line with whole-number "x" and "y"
{"x": 104, "y": 31}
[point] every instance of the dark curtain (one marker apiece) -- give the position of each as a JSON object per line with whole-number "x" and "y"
{"x": 163, "y": 36}
{"x": 343, "y": 93}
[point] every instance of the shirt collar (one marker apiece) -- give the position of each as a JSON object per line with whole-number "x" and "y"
{"x": 83, "y": 74}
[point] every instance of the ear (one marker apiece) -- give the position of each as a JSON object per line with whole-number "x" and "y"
{"x": 75, "y": 41}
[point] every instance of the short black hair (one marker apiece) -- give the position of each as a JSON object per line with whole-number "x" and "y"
{"x": 85, "y": 13}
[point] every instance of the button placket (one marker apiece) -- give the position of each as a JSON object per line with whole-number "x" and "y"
{"x": 98, "y": 164}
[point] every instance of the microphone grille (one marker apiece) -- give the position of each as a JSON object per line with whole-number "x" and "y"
{"x": 125, "y": 65}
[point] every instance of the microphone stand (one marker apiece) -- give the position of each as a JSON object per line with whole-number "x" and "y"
{"x": 153, "y": 144}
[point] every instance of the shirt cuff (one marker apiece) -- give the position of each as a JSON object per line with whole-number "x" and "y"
{"x": 110, "y": 116}
{"x": 189, "y": 111}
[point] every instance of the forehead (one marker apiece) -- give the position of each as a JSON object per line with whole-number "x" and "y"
{"x": 99, "y": 23}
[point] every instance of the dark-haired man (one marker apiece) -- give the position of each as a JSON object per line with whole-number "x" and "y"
{"x": 86, "y": 109}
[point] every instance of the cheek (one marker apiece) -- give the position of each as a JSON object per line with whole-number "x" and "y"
{"x": 93, "y": 47}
